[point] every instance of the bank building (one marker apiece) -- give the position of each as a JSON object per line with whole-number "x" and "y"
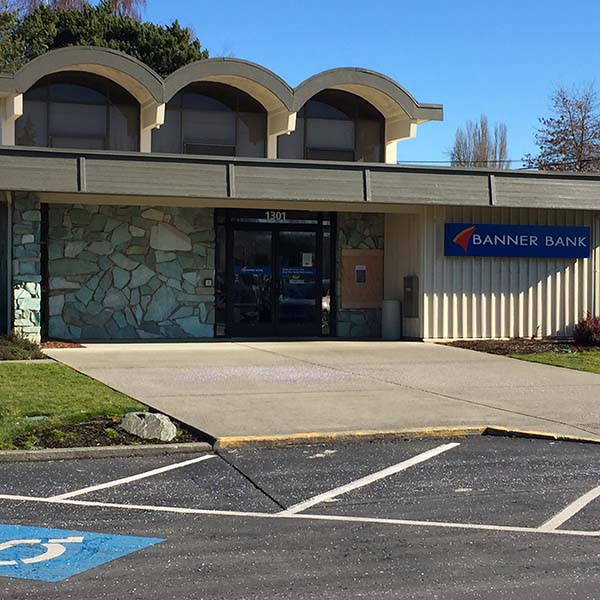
{"x": 220, "y": 202}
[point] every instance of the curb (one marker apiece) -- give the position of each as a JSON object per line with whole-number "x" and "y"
{"x": 103, "y": 452}
{"x": 229, "y": 442}
{"x": 295, "y": 439}
{"x": 538, "y": 435}
{"x": 232, "y": 442}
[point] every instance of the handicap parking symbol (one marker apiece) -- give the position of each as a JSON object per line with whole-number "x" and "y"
{"x": 56, "y": 554}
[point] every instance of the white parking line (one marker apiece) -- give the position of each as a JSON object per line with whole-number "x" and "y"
{"x": 307, "y": 517}
{"x": 114, "y": 483}
{"x": 358, "y": 483}
{"x": 571, "y": 510}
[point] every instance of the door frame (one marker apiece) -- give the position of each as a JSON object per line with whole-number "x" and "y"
{"x": 275, "y": 328}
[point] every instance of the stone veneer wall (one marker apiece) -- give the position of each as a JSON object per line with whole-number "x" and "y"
{"x": 129, "y": 272}
{"x": 358, "y": 230}
{"x": 26, "y": 266}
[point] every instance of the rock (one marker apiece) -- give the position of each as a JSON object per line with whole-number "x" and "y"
{"x": 162, "y": 305}
{"x": 98, "y": 223}
{"x": 136, "y": 231}
{"x": 29, "y": 303}
{"x": 120, "y": 235}
{"x": 60, "y": 283}
{"x": 115, "y": 299}
{"x": 85, "y": 295}
{"x": 73, "y": 249}
{"x": 141, "y": 276}
{"x": 120, "y": 277}
{"x": 122, "y": 261}
{"x": 165, "y": 256}
{"x": 165, "y": 237}
{"x": 32, "y": 215}
{"x": 193, "y": 327}
{"x": 56, "y": 305}
{"x": 80, "y": 216}
{"x": 153, "y": 215}
{"x": 72, "y": 266}
{"x": 103, "y": 248}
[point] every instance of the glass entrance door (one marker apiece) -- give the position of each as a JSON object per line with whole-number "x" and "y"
{"x": 251, "y": 301}
{"x": 275, "y": 282}
{"x": 298, "y": 313}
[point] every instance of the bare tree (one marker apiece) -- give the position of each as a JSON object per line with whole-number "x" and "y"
{"x": 129, "y": 8}
{"x": 569, "y": 139}
{"x": 478, "y": 146}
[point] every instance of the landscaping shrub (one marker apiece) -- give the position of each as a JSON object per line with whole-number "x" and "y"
{"x": 587, "y": 331}
{"x": 15, "y": 347}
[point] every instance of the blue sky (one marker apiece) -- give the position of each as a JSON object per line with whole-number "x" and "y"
{"x": 499, "y": 58}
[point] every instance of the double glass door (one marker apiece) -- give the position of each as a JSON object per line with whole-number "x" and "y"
{"x": 275, "y": 281}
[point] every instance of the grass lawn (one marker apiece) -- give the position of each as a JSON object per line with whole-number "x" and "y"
{"x": 582, "y": 361}
{"x": 54, "y": 391}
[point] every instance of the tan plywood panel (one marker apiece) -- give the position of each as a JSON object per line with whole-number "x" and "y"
{"x": 362, "y": 278}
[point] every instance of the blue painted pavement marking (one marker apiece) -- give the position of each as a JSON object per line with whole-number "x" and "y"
{"x": 56, "y": 554}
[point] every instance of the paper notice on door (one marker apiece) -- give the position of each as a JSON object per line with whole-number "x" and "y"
{"x": 307, "y": 259}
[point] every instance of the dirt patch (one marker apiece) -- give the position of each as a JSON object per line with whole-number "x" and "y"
{"x": 98, "y": 432}
{"x": 50, "y": 344}
{"x": 521, "y": 346}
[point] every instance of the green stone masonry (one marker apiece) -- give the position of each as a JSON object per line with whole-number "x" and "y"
{"x": 26, "y": 267}
{"x": 128, "y": 272}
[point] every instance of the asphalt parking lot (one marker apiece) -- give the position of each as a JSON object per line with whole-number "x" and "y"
{"x": 479, "y": 517}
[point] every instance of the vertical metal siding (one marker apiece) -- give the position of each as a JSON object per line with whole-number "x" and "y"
{"x": 482, "y": 297}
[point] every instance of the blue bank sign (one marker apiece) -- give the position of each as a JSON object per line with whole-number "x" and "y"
{"x": 467, "y": 239}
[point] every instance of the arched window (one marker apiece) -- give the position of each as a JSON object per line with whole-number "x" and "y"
{"x": 336, "y": 125}
{"x": 79, "y": 110}
{"x": 212, "y": 118}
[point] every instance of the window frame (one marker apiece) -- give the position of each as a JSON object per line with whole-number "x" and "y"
{"x": 355, "y": 119}
{"x": 180, "y": 108}
{"x": 45, "y": 83}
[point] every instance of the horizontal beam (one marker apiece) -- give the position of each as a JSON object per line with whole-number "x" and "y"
{"x": 342, "y": 183}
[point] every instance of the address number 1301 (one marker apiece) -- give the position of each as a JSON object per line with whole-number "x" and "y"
{"x": 275, "y": 215}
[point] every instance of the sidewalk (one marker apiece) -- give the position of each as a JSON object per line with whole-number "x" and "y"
{"x": 282, "y": 388}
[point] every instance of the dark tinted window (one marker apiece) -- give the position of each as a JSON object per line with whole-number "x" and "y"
{"x": 213, "y": 118}
{"x": 336, "y": 125}
{"x": 79, "y": 110}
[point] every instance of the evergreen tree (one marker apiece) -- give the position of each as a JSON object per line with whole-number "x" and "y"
{"x": 24, "y": 36}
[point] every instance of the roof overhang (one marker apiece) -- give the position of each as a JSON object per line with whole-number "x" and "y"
{"x": 387, "y": 96}
{"x": 133, "y": 75}
{"x": 247, "y": 181}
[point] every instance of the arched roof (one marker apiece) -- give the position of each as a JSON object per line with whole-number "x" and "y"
{"x": 260, "y": 83}
{"x": 390, "y": 98}
{"x": 133, "y": 75}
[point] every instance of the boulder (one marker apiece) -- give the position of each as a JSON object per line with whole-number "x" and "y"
{"x": 149, "y": 426}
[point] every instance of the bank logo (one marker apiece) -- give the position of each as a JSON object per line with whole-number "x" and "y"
{"x": 462, "y": 238}
{"x": 526, "y": 241}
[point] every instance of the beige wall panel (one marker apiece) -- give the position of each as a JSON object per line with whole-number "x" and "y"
{"x": 489, "y": 297}
{"x": 403, "y": 256}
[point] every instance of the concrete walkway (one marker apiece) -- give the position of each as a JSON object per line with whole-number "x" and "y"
{"x": 272, "y": 388}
